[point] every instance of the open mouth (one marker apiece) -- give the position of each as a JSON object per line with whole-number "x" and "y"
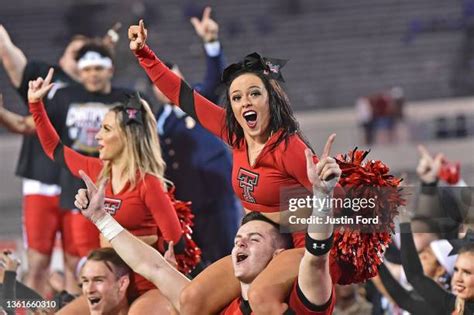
{"x": 241, "y": 257}
{"x": 94, "y": 300}
{"x": 251, "y": 118}
{"x": 459, "y": 289}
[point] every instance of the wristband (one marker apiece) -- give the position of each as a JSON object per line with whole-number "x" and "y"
{"x": 317, "y": 247}
{"x": 108, "y": 227}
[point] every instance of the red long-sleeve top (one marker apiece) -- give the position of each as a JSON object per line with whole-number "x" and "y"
{"x": 145, "y": 210}
{"x": 258, "y": 186}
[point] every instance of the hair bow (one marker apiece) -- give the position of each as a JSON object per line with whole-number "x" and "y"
{"x": 255, "y": 63}
{"x": 133, "y": 110}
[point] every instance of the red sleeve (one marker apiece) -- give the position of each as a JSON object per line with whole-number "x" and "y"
{"x": 160, "y": 206}
{"x": 294, "y": 161}
{"x": 55, "y": 150}
{"x": 301, "y": 306}
{"x": 208, "y": 114}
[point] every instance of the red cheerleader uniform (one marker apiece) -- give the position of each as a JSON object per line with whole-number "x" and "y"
{"x": 145, "y": 210}
{"x": 258, "y": 186}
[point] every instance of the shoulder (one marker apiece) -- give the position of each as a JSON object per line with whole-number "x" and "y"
{"x": 292, "y": 148}
{"x": 152, "y": 182}
{"x": 297, "y": 141}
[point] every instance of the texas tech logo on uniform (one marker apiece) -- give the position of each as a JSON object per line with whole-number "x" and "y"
{"x": 112, "y": 205}
{"x": 247, "y": 181}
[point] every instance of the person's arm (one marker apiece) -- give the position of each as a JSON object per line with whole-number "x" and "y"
{"x": 215, "y": 65}
{"x": 9, "y": 280}
{"x": 208, "y": 30}
{"x": 13, "y": 59}
{"x": 48, "y": 136}
{"x": 399, "y": 295}
{"x": 9, "y": 292}
{"x": 314, "y": 279}
{"x": 162, "y": 210}
{"x": 142, "y": 258}
{"x": 16, "y": 123}
{"x": 431, "y": 292}
{"x": 428, "y": 204}
{"x": 208, "y": 114}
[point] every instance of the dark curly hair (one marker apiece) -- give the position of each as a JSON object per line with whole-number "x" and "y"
{"x": 281, "y": 114}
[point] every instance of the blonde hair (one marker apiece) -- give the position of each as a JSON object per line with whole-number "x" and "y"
{"x": 142, "y": 148}
{"x": 459, "y": 306}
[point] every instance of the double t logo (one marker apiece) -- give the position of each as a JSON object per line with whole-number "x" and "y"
{"x": 247, "y": 181}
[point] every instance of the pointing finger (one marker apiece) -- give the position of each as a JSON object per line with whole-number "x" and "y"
{"x": 327, "y": 147}
{"x": 142, "y": 27}
{"x": 89, "y": 183}
{"x": 102, "y": 185}
{"x": 424, "y": 152}
{"x": 206, "y": 15}
{"x": 117, "y": 26}
{"x": 49, "y": 77}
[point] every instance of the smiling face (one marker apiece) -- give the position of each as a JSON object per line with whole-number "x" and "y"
{"x": 104, "y": 292}
{"x": 463, "y": 277}
{"x": 110, "y": 139}
{"x": 250, "y": 104}
{"x": 254, "y": 248}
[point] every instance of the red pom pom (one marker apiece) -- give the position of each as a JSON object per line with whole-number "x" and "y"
{"x": 359, "y": 252}
{"x": 188, "y": 260}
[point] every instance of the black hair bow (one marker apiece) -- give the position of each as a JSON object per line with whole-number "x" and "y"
{"x": 133, "y": 110}
{"x": 460, "y": 243}
{"x": 255, "y": 63}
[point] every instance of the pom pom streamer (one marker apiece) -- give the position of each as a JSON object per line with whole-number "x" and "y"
{"x": 188, "y": 260}
{"x": 359, "y": 252}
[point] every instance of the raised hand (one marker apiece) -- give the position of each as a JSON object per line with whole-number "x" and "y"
{"x": 137, "y": 35}
{"x": 428, "y": 167}
{"x": 325, "y": 174}
{"x": 112, "y": 36}
{"x": 9, "y": 262}
{"x": 91, "y": 200}
{"x": 37, "y": 89}
{"x": 206, "y": 28}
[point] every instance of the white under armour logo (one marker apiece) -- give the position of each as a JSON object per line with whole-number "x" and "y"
{"x": 315, "y": 246}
